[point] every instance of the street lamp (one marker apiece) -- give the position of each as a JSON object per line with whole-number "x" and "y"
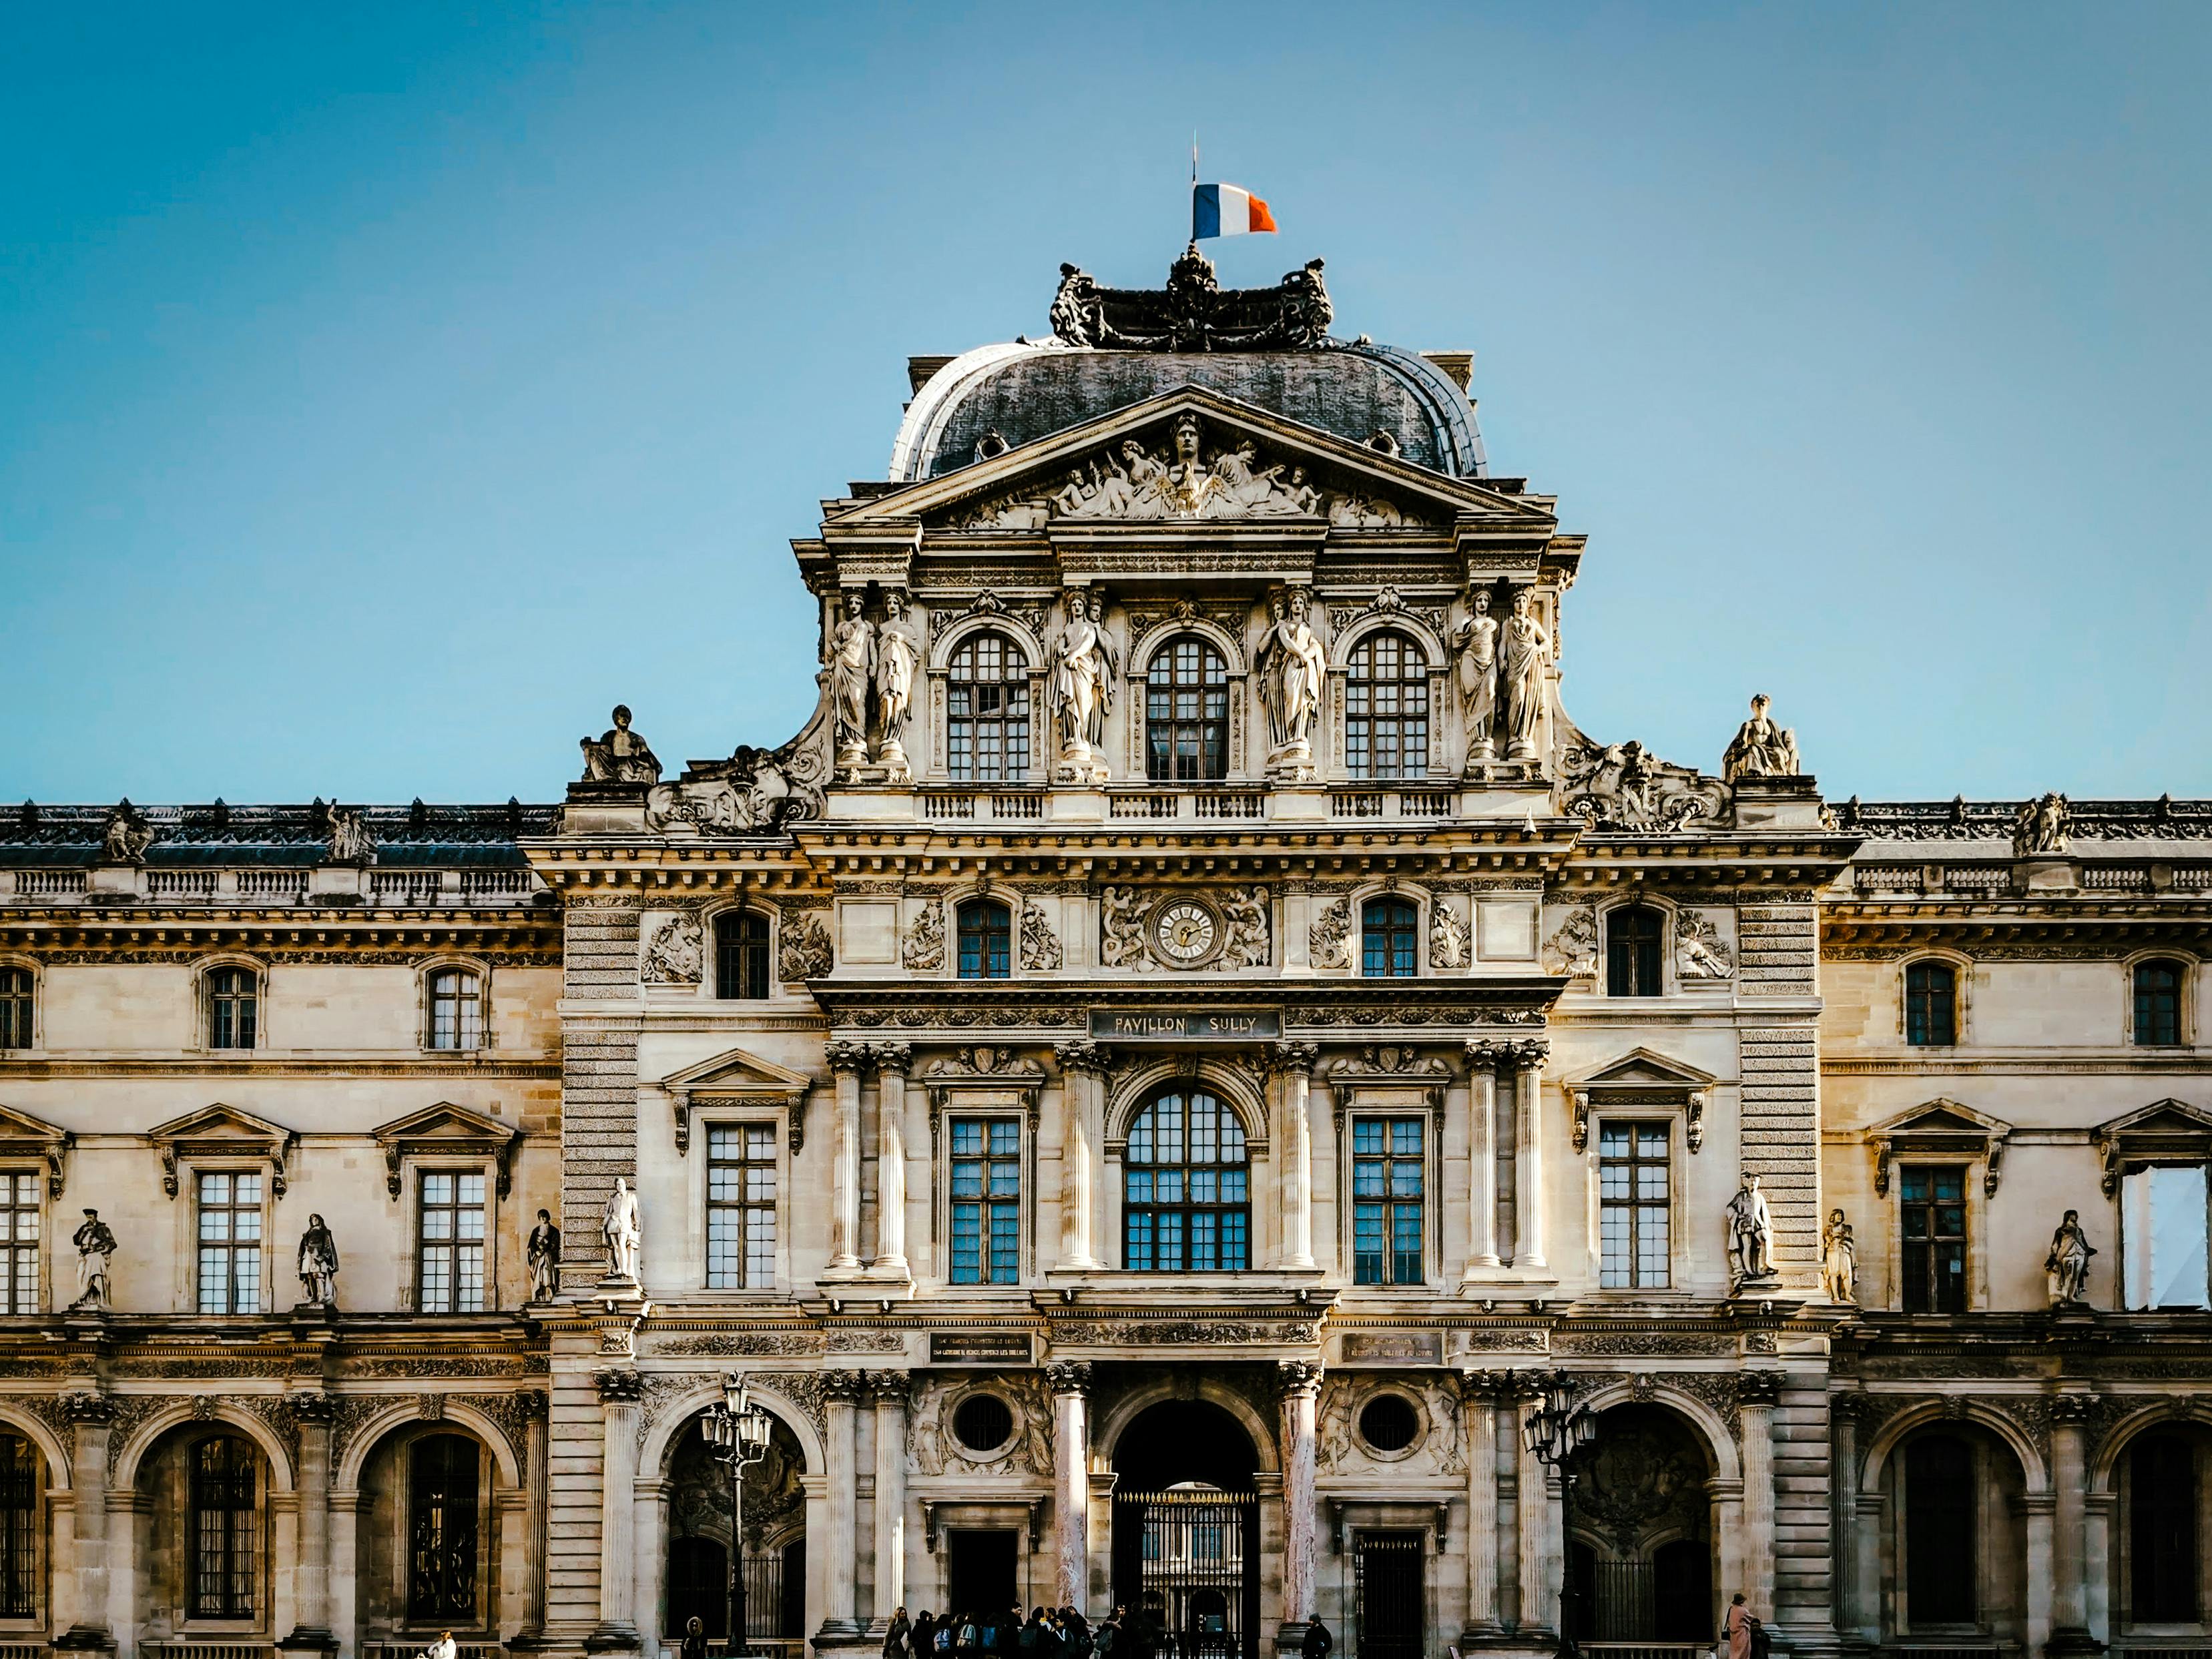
{"x": 737, "y": 1432}
{"x": 1558, "y": 1431}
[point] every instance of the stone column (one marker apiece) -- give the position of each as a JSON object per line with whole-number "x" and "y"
{"x": 1082, "y": 1071}
{"x": 1298, "y": 1381}
{"x": 1070, "y": 1486}
{"x": 1479, "y": 1392}
{"x": 893, "y": 1390}
{"x": 1296, "y": 1062}
{"x": 621, "y": 1391}
{"x": 846, "y": 1061}
{"x": 2070, "y": 1597}
{"x": 1482, "y": 1057}
{"x": 535, "y": 1474}
{"x": 892, "y": 1061}
{"x": 311, "y": 1583}
{"x": 1845, "y": 1411}
{"x": 91, "y": 1413}
{"x": 1529, "y": 1056}
{"x": 1534, "y": 1509}
{"x": 841, "y": 1393}
{"x": 1756, "y": 1393}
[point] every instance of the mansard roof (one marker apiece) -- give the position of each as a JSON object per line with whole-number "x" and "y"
{"x": 37, "y": 833}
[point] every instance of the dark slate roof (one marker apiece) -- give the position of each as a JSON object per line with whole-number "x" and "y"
{"x": 184, "y": 836}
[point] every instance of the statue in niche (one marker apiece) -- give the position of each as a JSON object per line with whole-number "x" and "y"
{"x": 1079, "y": 688}
{"x": 319, "y": 1264}
{"x": 2066, "y": 1268}
{"x": 1528, "y": 653}
{"x": 95, "y": 1248}
{"x": 619, "y": 1222}
{"x": 1839, "y": 1260}
{"x": 1292, "y": 672}
{"x": 1476, "y": 644}
{"x": 544, "y": 1257}
{"x": 125, "y": 839}
{"x": 898, "y": 653}
{"x": 2041, "y": 826}
{"x": 1751, "y": 1233}
{"x": 620, "y": 756}
{"x": 1760, "y": 748}
{"x": 852, "y": 670}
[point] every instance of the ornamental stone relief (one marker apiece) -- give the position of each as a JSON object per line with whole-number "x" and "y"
{"x": 1621, "y": 788}
{"x": 1040, "y": 945}
{"x": 674, "y": 951}
{"x": 1572, "y": 949}
{"x": 1185, "y": 928}
{"x": 755, "y": 791}
{"x": 922, "y": 950}
{"x": 933, "y": 1448}
{"x": 1699, "y": 951}
{"x": 1449, "y": 943}
{"x": 804, "y": 951}
{"x": 1328, "y": 941}
{"x": 1439, "y": 1446}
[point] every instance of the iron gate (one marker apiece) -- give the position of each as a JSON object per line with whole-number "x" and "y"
{"x": 1186, "y": 1562}
{"x": 1386, "y": 1566}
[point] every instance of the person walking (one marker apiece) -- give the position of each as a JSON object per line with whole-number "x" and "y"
{"x": 896, "y": 1633}
{"x": 1742, "y": 1631}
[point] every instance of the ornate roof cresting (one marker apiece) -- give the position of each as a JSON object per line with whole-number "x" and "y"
{"x": 1194, "y": 312}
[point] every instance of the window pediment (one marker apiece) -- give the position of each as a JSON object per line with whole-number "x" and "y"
{"x": 2166, "y": 1129}
{"x": 221, "y": 1131}
{"x": 25, "y": 1137}
{"x": 1939, "y": 1128}
{"x": 734, "y": 1074}
{"x": 1642, "y": 1077}
{"x": 444, "y": 1130}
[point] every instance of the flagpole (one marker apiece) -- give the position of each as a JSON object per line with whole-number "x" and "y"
{"x": 1194, "y": 186}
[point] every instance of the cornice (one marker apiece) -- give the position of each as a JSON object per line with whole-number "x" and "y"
{"x": 277, "y": 1067}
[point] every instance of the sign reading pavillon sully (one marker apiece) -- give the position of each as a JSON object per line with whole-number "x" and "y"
{"x": 1150, "y": 1087}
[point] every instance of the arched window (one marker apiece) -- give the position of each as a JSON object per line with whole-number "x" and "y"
{"x": 1186, "y": 712}
{"x": 224, "y": 1533}
{"x": 456, "y": 1009}
{"x": 987, "y": 734}
{"x": 1386, "y": 709}
{"x": 442, "y": 1528}
{"x": 987, "y": 937}
{"x": 2158, "y": 1004}
{"x": 1186, "y": 1201}
{"x": 15, "y": 1007}
{"x": 1387, "y": 932}
{"x": 741, "y": 955}
{"x": 1632, "y": 952}
{"x": 234, "y": 1007}
{"x": 2162, "y": 1515}
{"x": 1931, "y": 1005}
{"x": 1940, "y": 1497}
{"x": 699, "y": 1588}
{"x": 20, "y": 1483}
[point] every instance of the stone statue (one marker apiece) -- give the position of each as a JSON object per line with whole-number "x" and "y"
{"x": 1527, "y": 653}
{"x": 620, "y": 756}
{"x": 2067, "y": 1266}
{"x": 2041, "y": 826}
{"x": 1760, "y": 749}
{"x": 544, "y": 1256}
{"x": 1079, "y": 688}
{"x": 96, "y": 1244}
{"x": 1751, "y": 1233}
{"x": 898, "y": 653}
{"x": 1190, "y": 486}
{"x": 319, "y": 1264}
{"x": 1476, "y": 644}
{"x": 1293, "y": 675}
{"x": 349, "y": 841}
{"x": 852, "y": 670}
{"x": 1839, "y": 1260}
{"x": 620, "y": 1224}
{"x": 125, "y": 839}
{"x": 1699, "y": 951}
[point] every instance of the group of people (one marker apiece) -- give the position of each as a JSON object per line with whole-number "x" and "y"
{"x": 1046, "y": 1633}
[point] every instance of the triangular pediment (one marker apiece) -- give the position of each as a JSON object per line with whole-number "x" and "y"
{"x": 220, "y": 1122}
{"x": 1294, "y": 474}
{"x": 24, "y": 1136}
{"x": 21, "y": 1126}
{"x": 734, "y": 1072}
{"x": 2165, "y": 1130}
{"x": 2162, "y": 1117}
{"x": 445, "y": 1121}
{"x": 1941, "y": 1117}
{"x": 1644, "y": 1068}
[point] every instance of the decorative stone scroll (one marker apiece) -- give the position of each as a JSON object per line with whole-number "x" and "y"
{"x": 754, "y": 791}
{"x": 1194, "y": 312}
{"x": 1621, "y": 786}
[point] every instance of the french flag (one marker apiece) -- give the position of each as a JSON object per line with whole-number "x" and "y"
{"x": 1226, "y": 210}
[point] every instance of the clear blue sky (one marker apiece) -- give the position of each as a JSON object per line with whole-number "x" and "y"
{"x": 384, "y": 391}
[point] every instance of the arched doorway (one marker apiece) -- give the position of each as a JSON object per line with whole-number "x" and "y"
{"x": 1954, "y": 1553}
{"x": 774, "y": 1545}
{"x": 429, "y": 1540}
{"x": 1187, "y": 1530}
{"x": 204, "y": 1541}
{"x": 1639, "y": 1523}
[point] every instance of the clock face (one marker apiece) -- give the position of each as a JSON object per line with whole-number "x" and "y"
{"x": 1185, "y": 932}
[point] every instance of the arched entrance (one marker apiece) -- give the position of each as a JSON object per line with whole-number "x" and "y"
{"x": 774, "y": 1545}
{"x": 1639, "y": 1524}
{"x": 1187, "y": 1531}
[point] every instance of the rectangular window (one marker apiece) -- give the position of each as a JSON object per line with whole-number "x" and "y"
{"x": 1388, "y": 1176}
{"x": 230, "y": 1243}
{"x": 19, "y": 1528}
{"x": 456, "y": 1011}
{"x": 234, "y": 1008}
{"x": 987, "y": 1200}
{"x": 741, "y": 1207}
{"x": 19, "y": 1235}
{"x": 1632, "y": 1206}
{"x": 1932, "y": 1209}
{"x": 450, "y": 1260}
{"x": 2163, "y": 1237}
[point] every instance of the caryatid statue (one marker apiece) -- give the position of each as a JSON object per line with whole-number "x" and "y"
{"x": 2066, "y": 1267}
{"x": 1292, "y": 673}
{"x": 620, "y": 1224}
{"x": 319, "y": 1264}
{"x": 1527, "y": 653}
{"x": 96, "y": 1244}
{"x": 1079, "y": 688}
{"x": 898, "y": 653}
{"x": 852, "y": 671}
{"x": 1476, "y": 643}
{"x": 1751, "y": 1233}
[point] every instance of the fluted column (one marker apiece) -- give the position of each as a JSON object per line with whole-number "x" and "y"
{"x": 1529, "y": 1056}
{"x": 1844, "y": 1411}
{"x": 621, "y": 1392}
{"x": 1082, "y": 1071}
{"x": 1070, "y": 1423}
{"x": 1756, "y": 1393}
{"x": 1483, "y": 1054}
{"x": 893, "y": 1390}
{"x": 841, "y": 1393}
{"x": 1296, "y": 1062}
{"x": 1298, "y": 1381}
{"x": 91, "y": 1415}
{"x": 535, "y": 1472}
{"x": 1532, "y": 1508}
{"x": 2070, "y": 1597}
{"x": 311, "y": 1583}
{"x": 846, "y": 1061}
{"x": 1478, "y": 1394}
{"x": 892, "y": 1061}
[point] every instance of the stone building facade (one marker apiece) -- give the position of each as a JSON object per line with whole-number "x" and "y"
{"x": 1150, "y": 1086}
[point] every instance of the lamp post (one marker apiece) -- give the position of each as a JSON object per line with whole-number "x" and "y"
{"x": 1558, "y": 1431}
{"x": 737, "y": 1432}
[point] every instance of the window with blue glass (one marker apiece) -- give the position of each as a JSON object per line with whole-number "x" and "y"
{"x": 1388, "y": 1181}
{"x": 1632, "y": 1206}
{"x": 2158, "y": 1004}
{"x": 987, "y": 1200}
{"x": 986, "y": 933}
{"x": 1386, "y": 936}
{"x": 1185, "y": 1187}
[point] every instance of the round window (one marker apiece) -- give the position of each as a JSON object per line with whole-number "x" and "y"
{"x": 1388, "y": 1424}
{"x": 982, "y": 1422}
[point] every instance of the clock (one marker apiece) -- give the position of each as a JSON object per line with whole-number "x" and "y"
{"x": 1185, "y": 933}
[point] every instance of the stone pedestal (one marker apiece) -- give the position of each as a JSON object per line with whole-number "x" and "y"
{"x": 1777, "y": 802}
{"x": 1297, "y": 803}
{"x": 2047, "y": 873}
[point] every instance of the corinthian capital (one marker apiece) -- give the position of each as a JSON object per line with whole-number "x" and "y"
{"x": 1294, "y": 1377}
{"x": 892, "y": 1056}
{"x": 1530, "y": 1051}
{"x": 1296, "y": 1057}
{"x": 1068, "y": 1376}
{"x": 847, "y": 1056}
{"x": 1079, "y": 1055}
{"x": 844, "y": 1388}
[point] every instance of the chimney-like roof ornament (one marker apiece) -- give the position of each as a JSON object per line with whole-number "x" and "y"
{"x": 1194, "y": 313}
